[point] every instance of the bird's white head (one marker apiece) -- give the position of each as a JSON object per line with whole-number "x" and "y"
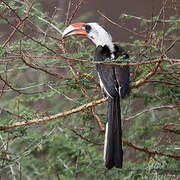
{"x": 93, "y": 31}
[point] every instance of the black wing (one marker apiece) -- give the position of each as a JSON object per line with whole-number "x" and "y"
{"x": 115, "y": 79}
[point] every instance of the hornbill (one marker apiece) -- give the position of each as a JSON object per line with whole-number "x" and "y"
{"x": 113, "y": 79}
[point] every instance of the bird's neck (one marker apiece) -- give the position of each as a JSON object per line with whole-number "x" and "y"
{"x": 109, "y": 45}
{"x": 103, "y": 52}
{"x": 108, "y": 48}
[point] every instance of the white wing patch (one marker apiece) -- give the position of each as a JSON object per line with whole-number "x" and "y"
{"x": 103, "y": 87}
{"x": 120, "y": 91}
{"x": 105, "y": 142}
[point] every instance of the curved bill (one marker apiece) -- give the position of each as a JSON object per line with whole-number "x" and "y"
{"x": 74, "y": 29}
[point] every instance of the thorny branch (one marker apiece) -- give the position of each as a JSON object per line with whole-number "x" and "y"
{"x": 55, "y": 116}
{"x": 151, "y": 153}
{"x": 108, "y": 63}
{"x": 172, "y": 61}
{"x": 149, "y": 75}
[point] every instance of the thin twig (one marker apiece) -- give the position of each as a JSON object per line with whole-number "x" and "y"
{"x": 68, "y": 98}
{"x": 122, "y": 27}
{"x": 26, "y": 35}
{"x": 82, "y": 137}
{"x": 151, "y": 109}
{"x": 147, "y": 20}
{"x": 172, "y": 44}
{"x": 17, "y": 26}
{"x": 10, "y": 166}
{"x": 17, "y": 90}
{"x": 67, "y": 14}
{"x": 108, "y": 63}
{"x": 2, "y": 109}
{"x": 163, "y": 82}
{"x": 75, "y": 11}
{"x": 171, "y": 128}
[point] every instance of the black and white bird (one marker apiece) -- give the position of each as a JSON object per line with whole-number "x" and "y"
{"x": 115, "y": 82}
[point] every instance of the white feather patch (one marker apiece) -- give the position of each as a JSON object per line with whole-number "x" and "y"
{"x": 103, "y": 87}
{"x": 105, "y": 142}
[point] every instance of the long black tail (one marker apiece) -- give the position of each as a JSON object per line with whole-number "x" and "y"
{"x": 113, "y": 153}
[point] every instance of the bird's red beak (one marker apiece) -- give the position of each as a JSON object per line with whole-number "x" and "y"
{"x": 74, "y": 29}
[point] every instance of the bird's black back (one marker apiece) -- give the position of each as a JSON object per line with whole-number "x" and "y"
{"x": 114, "y": 78}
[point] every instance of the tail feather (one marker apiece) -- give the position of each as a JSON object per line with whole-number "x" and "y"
{"x": 113, "y": 154}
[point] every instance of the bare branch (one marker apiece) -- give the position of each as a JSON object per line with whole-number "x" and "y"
{"x": 133, "y": 32}
{"x": 163, "y": 82}
{"x": 149, "y": 75}
{"x": 53, "y": 117}
{"x": 147, "y": 20}
{"x": 151, "y": 109}
{"x": 74, "y": 12}
{"x": 150, "y": 152}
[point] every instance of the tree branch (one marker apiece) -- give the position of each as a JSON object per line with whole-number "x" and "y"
{"x": 151, "y": 109}
{"x": 55, "y": 116}
{"x": 148, "y": 20}
{"x": 108, "y": 63}
{"x": 150, "y": 152}
{"x": 116, "y": 24}
{"x": 149, "y": 75}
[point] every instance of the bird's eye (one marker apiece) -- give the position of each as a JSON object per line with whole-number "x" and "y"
{"x": 87, "y": 28}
